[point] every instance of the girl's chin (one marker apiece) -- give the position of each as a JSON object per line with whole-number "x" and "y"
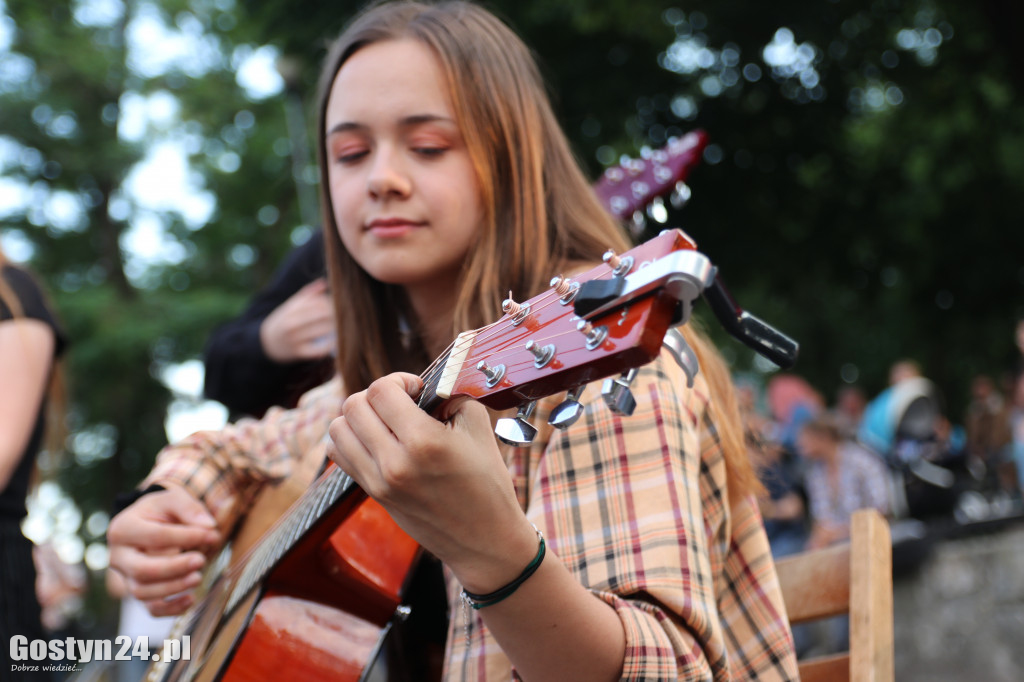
{"x": 408, "y": 270}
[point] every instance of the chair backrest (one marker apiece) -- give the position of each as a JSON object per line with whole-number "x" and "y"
{"x": 853, "y": 578}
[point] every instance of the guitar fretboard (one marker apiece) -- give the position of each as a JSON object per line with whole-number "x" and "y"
{"x": 311, "y": 507}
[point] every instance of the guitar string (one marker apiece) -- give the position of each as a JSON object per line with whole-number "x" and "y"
{"x": 300, "y": 505}
{"x": 255, "y": 563}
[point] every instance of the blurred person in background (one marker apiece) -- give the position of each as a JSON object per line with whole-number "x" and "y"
{"x": 989, "y": 438}
{"x": 60, "y": 587}
{"x": 879, "y": 423}
{"x": 841, "y": 478}
{"x": 851, "y": 401}
{"x": 31, "y": 341}
{"x": 784, "y": 508}
{"x": 1017, "y": 427}
{"x": 281, "y": 345}
{"x": 792, "y": 401}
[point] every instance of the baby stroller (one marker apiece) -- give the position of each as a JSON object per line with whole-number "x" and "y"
{"x": 929, "y": 468}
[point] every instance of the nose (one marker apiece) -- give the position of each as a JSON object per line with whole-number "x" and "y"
{"x": 388, "y": 178}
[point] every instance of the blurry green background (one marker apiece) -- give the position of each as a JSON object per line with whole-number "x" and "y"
{"x": 861, "y": 191}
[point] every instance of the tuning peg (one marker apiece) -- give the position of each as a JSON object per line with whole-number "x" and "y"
{"x": 683, "y": 354}
{"x": 620, "y": 265}
{"x": 494, "y": 374}
{"x": 617, "y": 395}
{"x": 516, "y": 430}
{"x": 566, "y": 414}
{"x": 542, "y": 355}
{"x": 614, "y": 175}
{"x": 595, "y": 335}
{"x": 565, "y": 289}
{"x": 517, "y": 311}
{"x": 637, "y": 223}
{"x": 680, "y": 195}
{"x": 657, "y": 211}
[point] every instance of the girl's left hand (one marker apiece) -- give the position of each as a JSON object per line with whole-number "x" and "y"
{"x": 443, "y": 482}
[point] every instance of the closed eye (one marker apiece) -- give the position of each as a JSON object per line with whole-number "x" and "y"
{"x": 430, "y": 151}
{"x": 350, "y": 157}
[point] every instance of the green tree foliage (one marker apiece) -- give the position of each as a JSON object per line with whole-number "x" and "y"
{"x": 861, "y": 199}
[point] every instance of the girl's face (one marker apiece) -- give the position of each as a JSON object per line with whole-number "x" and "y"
{"x": 404, "y": 192}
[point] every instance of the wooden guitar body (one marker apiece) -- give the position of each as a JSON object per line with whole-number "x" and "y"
{"x": 320, "y": 613}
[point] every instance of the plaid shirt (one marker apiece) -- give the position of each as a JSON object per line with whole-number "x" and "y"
{"x": 636, "y": 507}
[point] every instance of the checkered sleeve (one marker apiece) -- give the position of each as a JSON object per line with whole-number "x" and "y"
{"x": 225, "y": 469}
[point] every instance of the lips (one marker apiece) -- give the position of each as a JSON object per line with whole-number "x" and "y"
{"x": 391, "y": 223}
{"x": 392, "y": 228}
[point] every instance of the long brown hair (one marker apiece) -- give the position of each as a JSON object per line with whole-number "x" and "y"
{"x": 6, "y": 293}
{"x": 541, "y": 214}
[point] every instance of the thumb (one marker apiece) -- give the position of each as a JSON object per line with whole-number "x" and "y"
{"x": 410, "y": 383}
{"x": 317, "y": 286}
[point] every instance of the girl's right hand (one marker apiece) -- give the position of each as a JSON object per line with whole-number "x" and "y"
{"x": 301, "y": 328}
{"x": 158, "y": 545}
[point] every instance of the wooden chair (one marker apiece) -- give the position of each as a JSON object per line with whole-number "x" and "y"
{"x": 853, "y": 578}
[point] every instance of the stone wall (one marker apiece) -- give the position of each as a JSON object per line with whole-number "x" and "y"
{"x": 960, "y": 614}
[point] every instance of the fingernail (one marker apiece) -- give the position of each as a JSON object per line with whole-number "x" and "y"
{"x": 202, "y": 518}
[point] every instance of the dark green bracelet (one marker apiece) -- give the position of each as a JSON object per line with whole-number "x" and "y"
{"x": 479, "y": 601}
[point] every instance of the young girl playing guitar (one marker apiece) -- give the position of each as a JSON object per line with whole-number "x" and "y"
{"x": 447, "y": 183}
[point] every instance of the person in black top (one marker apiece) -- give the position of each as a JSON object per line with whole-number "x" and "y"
{"x": 31, "y": 341}
{"x": 281, "y": 345}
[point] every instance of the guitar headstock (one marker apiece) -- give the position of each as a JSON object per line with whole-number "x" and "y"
{"x": 585, "y": 327}
{"x": 636, "y": 183}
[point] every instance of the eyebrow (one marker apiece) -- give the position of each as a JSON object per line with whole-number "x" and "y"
{"x": 406, "y": 122}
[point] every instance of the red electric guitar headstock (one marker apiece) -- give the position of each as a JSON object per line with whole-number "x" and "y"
{"x": 636, "y": 183}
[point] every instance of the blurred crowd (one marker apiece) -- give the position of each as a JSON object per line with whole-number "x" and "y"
{"x": 899, "y": 452}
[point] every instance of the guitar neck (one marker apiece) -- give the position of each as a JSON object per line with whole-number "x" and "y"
{"x": 321, "y": 497}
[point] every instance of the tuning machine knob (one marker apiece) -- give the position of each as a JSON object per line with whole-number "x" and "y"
{"x": 637, "y": 223}
{"x": 516, "y": 430}
{"x": 568, "y": 411}
{"x": 656, "y": 210}
{"x": 517, "y": 311}
{"x": 620, "y": 265}
{"x": 617, "y": 395}
{"x": 680, "y": 195}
